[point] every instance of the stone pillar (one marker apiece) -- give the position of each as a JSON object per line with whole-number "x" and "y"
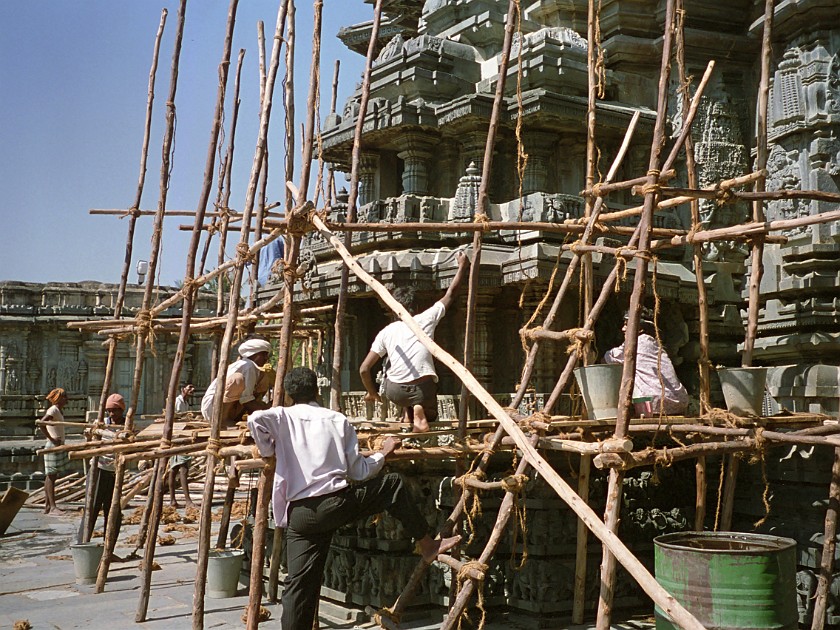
{"x": 415, "y": 151}
{"x": 2, "y": 369}
{"x": 368, "y": 180}
{"x": 482, "y": 367}
{"x": 473, "y": 144}
{"x": 539, "y": 148}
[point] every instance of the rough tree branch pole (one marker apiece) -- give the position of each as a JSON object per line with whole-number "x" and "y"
{"x": 659, "y": 595}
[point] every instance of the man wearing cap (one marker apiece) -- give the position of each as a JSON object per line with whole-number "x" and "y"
{"x": 114, "y": 412}
{"x": 240, "y": 383}
{"x": 655, "y": 375}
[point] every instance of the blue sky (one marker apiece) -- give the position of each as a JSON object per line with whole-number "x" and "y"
{"x": 74, "y": 81}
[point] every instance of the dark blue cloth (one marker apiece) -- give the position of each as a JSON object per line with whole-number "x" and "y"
{"x": 270, "y": 253}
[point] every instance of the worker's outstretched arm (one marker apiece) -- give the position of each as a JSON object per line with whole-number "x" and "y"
{"x": 365, "y": 371}
{"x": 457, "y": 281}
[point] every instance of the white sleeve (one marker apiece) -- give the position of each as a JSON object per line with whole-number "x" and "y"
{"x": 616, "y": 355}
{"x": 263, "y": 426}
{"x": 378, "y": 345}
{"x": 359, "y": 468}
{"x": 249, "y": 373}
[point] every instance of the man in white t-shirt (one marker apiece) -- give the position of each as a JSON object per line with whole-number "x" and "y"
{"x": 240, "y": 381}
{"x": 410, "y": 377}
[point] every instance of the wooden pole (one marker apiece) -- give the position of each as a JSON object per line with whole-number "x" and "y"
{"x": 243, "y": 256}
{"x": 112, "y": 525}
{"x": 826, "y": 571}
{"x": 613, "y": 506}
{"x": 341, "y": 303}
{"x": 593, "y": 85}
{"x": 328, "y": 196}
{"x": 757, "y": 265}
{"x": 578, "y": 600}
{"x": 261, "y": 197}
{"x": 530, "y": 361}
{"x": 668, "y": 604}
{"x": 482, "y": 205}
{"x": 187, "y": 309}
{"x": 700, "y": 494}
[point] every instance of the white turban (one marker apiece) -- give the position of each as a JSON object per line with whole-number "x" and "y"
{"x": 253, "y": 346}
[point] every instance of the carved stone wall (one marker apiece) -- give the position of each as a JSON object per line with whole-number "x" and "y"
{"x": 38, "y": 352}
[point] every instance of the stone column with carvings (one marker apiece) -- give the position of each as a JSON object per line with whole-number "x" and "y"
{"x": 539, "y": 146}
{"x": 368, "y": 171}
{"x": 415, "y": 152}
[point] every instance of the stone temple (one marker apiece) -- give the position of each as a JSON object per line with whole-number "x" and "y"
{"x": 432, "y": 88}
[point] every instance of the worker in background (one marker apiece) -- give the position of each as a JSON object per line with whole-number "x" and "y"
{"x": 240, "y": 384}
{"x": 179, "y": 465}
{"x": 656, "y": 378}
{"x": 55, "y": 464}
{"x": 114, "y": 414}
{"x": 317, "y": 456}
{"x": 410, "y": 377}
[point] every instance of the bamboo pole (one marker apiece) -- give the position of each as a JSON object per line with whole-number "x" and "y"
{"x": 243, "y": 255}
{"x": 112, "y": 525}
{"x": 626, "y": 461}
{"x": 481, "y": 207}
{"x": 355, "y": 159}
{"x": 328, "y": 196}
{"x": 826, "y": 570}
{"x": 668, "y": 604}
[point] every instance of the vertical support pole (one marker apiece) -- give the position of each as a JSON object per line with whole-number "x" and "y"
{"x": 829, "y": 544}
{"x": 611, "y": 517}
{"x": 700, "y": 497}
{"x": 579, "y": 602}
{"x": 341, "y": 303}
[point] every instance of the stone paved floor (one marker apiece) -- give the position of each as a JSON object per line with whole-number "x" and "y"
{"x": 37, "y": 583}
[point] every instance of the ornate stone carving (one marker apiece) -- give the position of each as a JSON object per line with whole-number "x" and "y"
{"x": 466, "y": 196}
{"x": 783, "y": 173}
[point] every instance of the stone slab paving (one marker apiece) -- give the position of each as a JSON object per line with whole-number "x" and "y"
{"x": 37, "y": 583}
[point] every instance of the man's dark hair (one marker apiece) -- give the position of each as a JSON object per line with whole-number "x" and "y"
{"x": 301, "y": 385}
{"x": 407, "y": 297}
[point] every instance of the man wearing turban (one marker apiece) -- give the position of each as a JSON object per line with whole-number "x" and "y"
{"x": 55, "y": 464}
{"x": 241, "y": 381}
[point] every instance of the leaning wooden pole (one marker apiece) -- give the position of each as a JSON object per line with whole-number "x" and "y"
{"x": 613, "y": 505}
{"x": 829, "y": 545}
{"x": 355, "y": 159}
{"x": 665, "y": 601}
{"x": 284, "y": 355}
{"x": 531, "y": 359}
{"x": 328, "y": 196}
{"x": 244, "y": 255}
{"x": 261, "y": 197}
{"x": 593, "y": 86}
{"x": 482, "y": 206}
{"x": 186, "y": 312}
{"x": 133, "y": 214}
{"x": 757, "y": 263}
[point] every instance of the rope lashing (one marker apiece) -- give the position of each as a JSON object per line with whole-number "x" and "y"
{"x": 386, "y": 613}
{"x": 514, "y": 483}
{"x": 243, "y": 254}
{"x": 214, "y": 447}
{"x": 482, "y": 218}
{"x": 131, "y": 212}
{"x": 464, "y": 572}
{"x": 145, "y": 328}
{"x": 188, "y": 286}
{"x": 299, "y": 221}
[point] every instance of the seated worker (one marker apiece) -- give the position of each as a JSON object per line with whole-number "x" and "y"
{"x": 240, "y": 383}
{"x": 317, "y": 455}
{"x": 655, "y": 375}
{"x": 410, "y": 377}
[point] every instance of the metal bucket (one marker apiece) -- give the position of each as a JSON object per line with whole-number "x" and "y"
{"x": 223, "y": 569}
{"x": 86, "y": 557}
{"x": 743, "y": 389}
{"x": 599, "y": 385}
{"x": 729, "y": 580}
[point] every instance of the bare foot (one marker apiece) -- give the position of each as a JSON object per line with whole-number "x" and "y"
{"x": 420, "y": 426}
{"x": 174, "y": 504}
{"x": 56, "y": 512}
{"x": 191, "y": 505}
{"x": 431, "y": 548}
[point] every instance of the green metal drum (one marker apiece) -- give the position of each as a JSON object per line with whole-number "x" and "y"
{"x": 729, "y": 580}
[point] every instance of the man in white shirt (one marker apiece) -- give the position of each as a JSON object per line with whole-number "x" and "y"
{"x": 410, "y": 378}
{"x": 240, "y": 381}
{"x": 317, "y": 454}
{"x": 179, "y": 465}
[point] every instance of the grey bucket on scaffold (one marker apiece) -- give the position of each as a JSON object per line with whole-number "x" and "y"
{"x": 599, "y": 385}
{"x": 743, "y": 389}
{"x": 86, "y": 557}
{"x": 729, "y": 580}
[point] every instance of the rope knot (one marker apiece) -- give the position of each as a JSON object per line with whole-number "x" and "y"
{"x": 214, "y": 446}
{"x": 514, "y": 483}
{"x": 243, "y": 254}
